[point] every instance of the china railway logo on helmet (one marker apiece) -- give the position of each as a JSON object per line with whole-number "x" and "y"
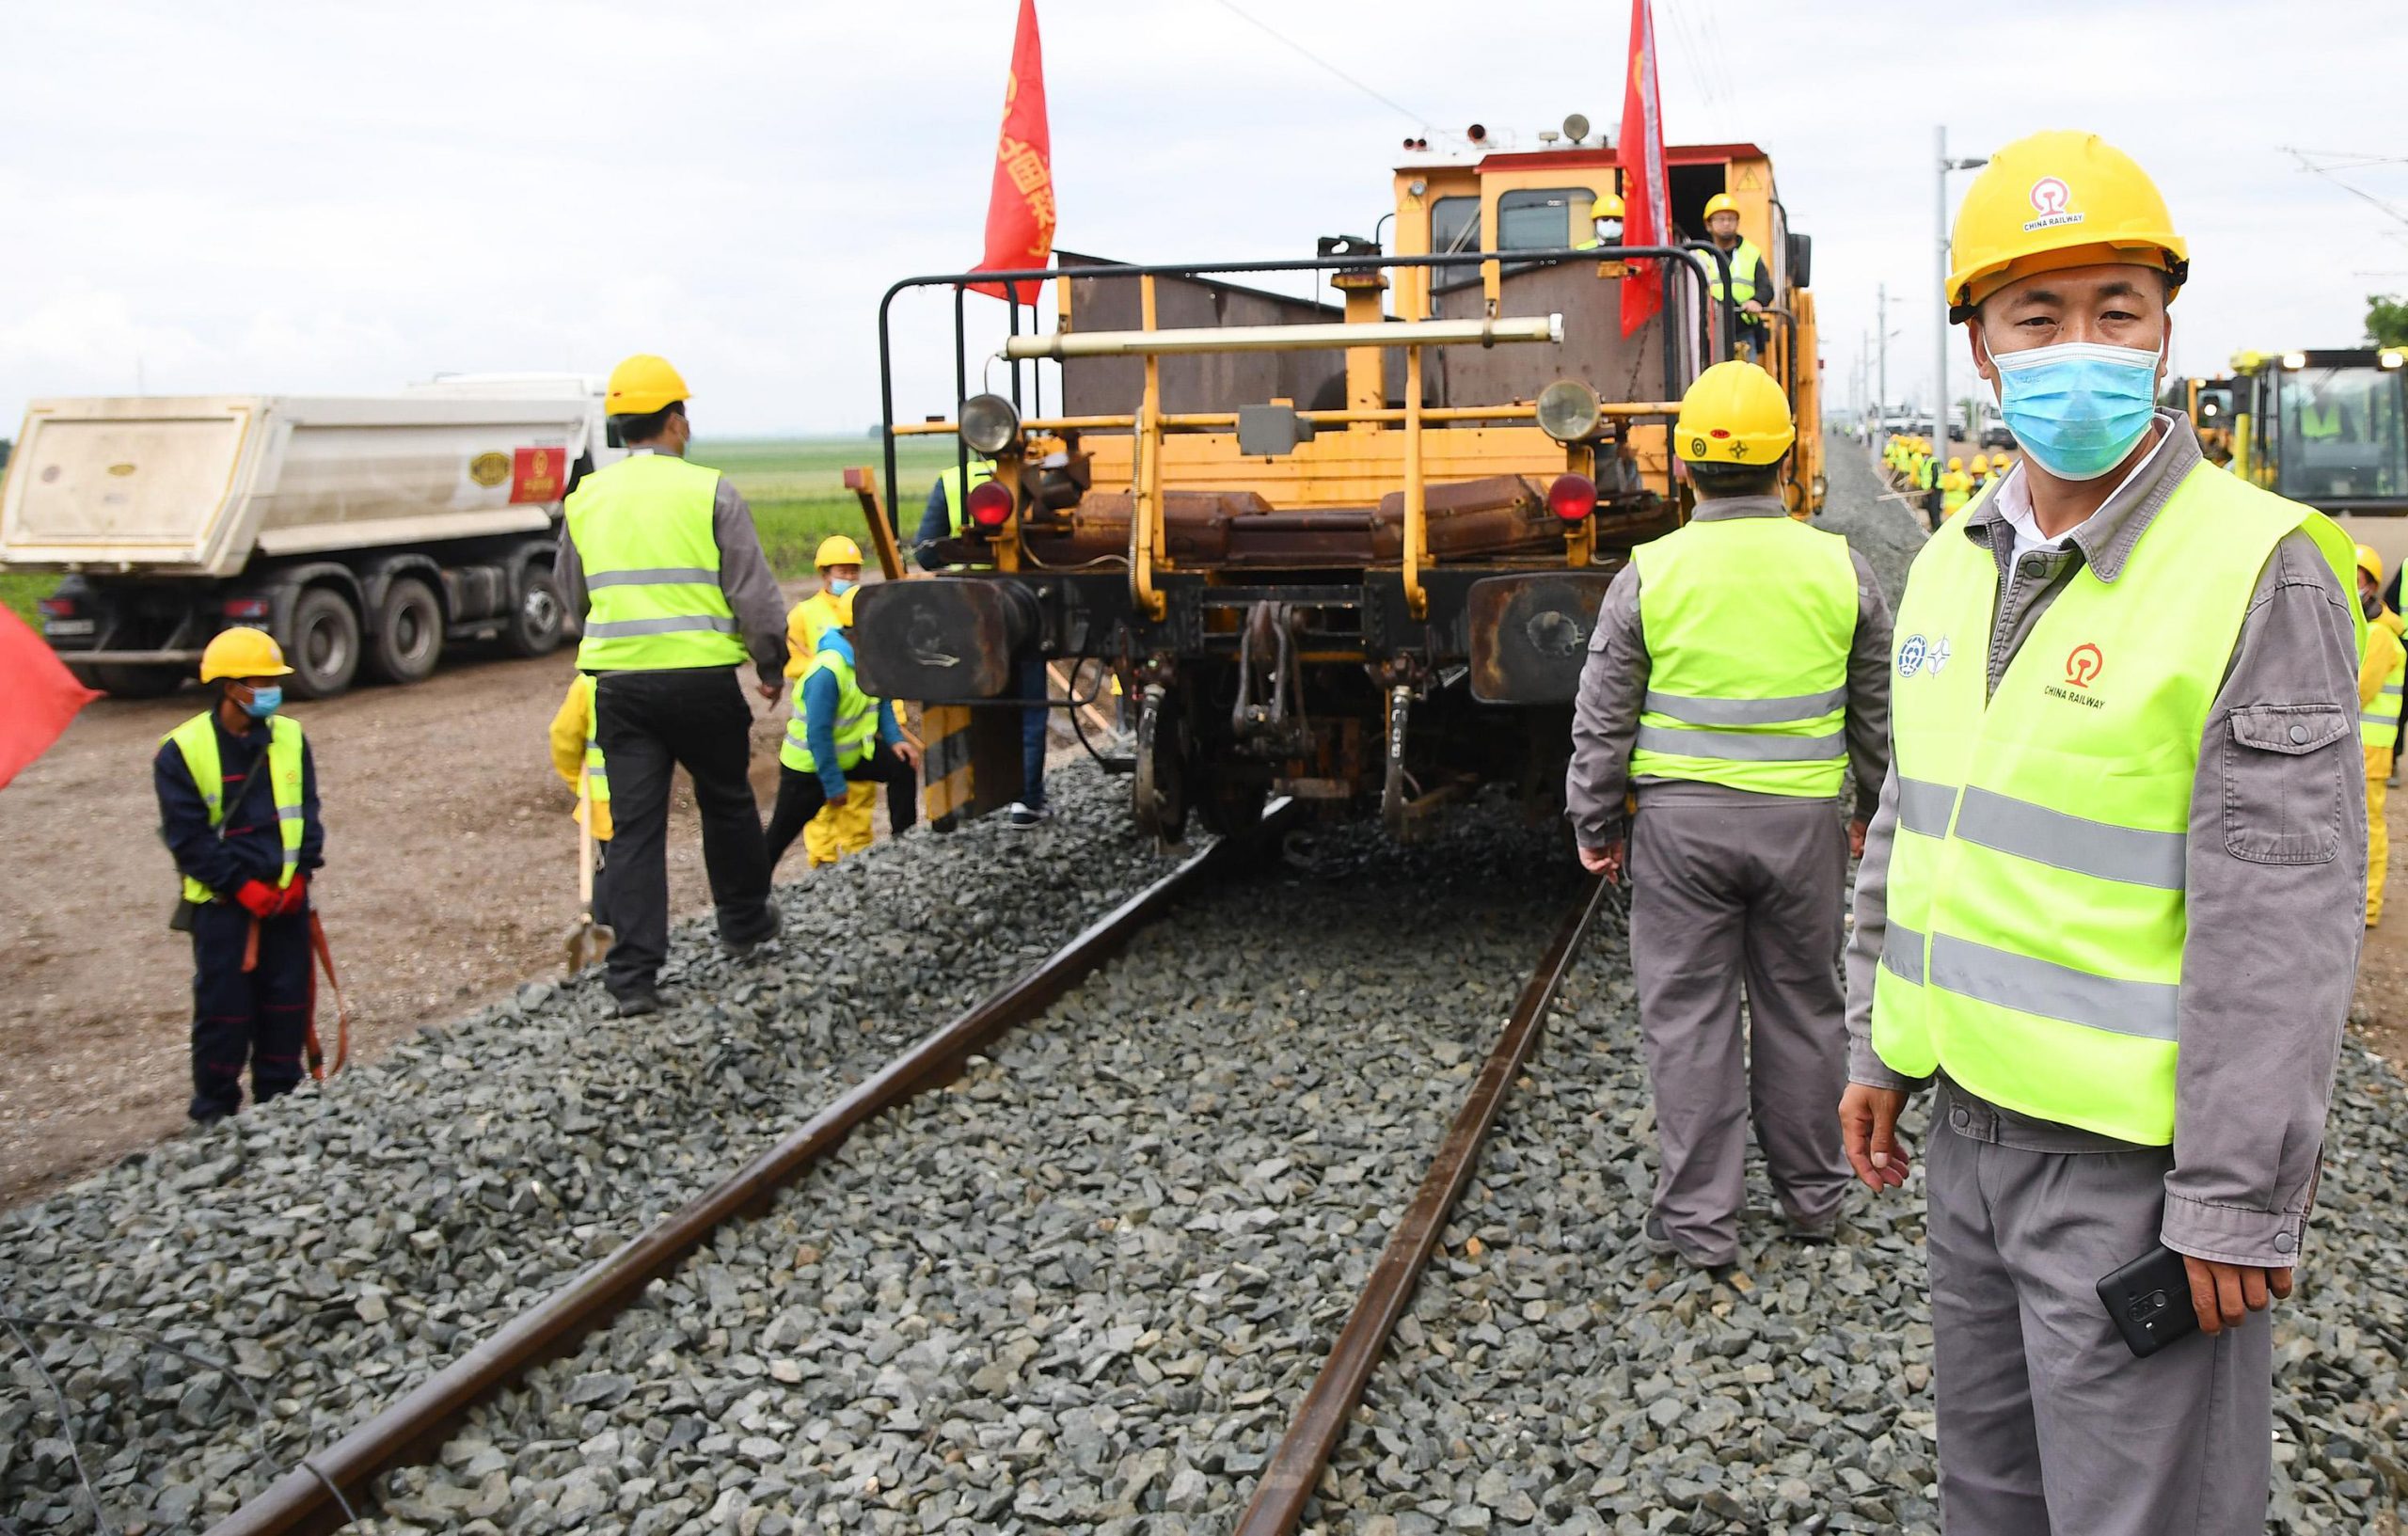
{"x": 2050, "y": 199}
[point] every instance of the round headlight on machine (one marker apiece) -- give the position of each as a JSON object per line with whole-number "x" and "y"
{"x": 988, "y": 424}
{"x": 1568, "y": 411}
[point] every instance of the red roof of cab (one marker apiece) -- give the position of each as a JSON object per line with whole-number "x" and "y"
{"x": 1675, "y": 155}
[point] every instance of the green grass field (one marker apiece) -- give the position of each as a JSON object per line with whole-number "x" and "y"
{"x": 796, "y": 487}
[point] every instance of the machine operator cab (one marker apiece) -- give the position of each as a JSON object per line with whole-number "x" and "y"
{"x": 2326, "y": 428}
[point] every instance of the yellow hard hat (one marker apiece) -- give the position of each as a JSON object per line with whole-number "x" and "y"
{"x": 641, "y": 385}
{"x": 1734, "y": 414}
{"x": 2368, "y": 561}
{"x": 243, "y": 652}
{"x": 1956, "y": 462}
{"x": 1719, "y": 203}
{"x": 1981, "y": 464}
{"x": 1608, "y": 205}
{"x": 2061, "y": 199}
{"x": 836, "y": 549}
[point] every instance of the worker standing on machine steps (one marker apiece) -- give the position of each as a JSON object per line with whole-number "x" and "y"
{"x": 661, "y": 558}
{"x": 946, "y": 510}
{"x": 1751, "y": 279}
{"x": 2382, "y": 674}
{"x": 1739, "y": 670}
{"x": 838, "y": 736}
{"x": 238, "y": 807}
{"x": 2110, "y": 899}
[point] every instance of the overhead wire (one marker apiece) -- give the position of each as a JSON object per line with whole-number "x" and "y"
{"x": 2307, "y": 162}
{"x": 1419, "y": 120}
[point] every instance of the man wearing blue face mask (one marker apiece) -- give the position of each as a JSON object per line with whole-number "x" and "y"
{"x": 2110, "y": 897}
{"x": 238, "y": 807}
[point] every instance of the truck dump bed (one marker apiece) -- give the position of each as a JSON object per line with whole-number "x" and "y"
{"x": 194, "y": 485}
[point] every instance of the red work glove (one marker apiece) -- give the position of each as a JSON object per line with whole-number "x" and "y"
{"x": 258, "y": 898}
{"x": 296, "y": 897}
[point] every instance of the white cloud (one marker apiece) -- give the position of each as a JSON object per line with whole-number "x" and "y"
{"x": 294, "y": 196}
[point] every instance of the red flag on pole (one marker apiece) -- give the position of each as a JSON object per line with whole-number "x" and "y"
{"x": 1647, "y": 203}
{"x": 1019, "y": 210}
{"x": 40, "y": 699}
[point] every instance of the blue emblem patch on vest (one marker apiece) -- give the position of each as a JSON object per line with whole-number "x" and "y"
{"x": 1911, "y": 654}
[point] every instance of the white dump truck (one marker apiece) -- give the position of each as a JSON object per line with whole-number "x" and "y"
{"x": 359, "y": 531}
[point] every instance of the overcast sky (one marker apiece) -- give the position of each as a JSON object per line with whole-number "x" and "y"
{"x": 328, "y": 196}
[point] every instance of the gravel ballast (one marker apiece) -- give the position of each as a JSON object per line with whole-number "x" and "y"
{"x": 336, "y": 1247}
{"x": 1084, "y": 1286}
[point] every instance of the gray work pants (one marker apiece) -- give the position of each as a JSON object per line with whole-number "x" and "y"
{"x": 1720, "y": 893}
{"x": 2048, "y": 1425}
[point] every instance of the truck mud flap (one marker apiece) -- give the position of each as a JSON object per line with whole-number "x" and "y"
{"x": 1529, "y": 634}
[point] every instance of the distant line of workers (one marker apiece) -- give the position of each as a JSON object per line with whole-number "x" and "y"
{"x": 1912, "y": 463}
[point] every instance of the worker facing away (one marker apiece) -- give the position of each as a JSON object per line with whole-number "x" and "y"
{"x": 2110, "y": 899}
{"x": 661, "y": 558}
{"x": 1739, "y": 669}
{"x": 2383, "y": 671}
{"x": 1750, "y": 281}
{"x": 238, "y": 807}
{"x": 1956, "y": 488}
{"x": 943, "y": 517}
{"x": 837, "y": 736}
{"x": 576, "y": 757}
{"x": 844, "y": 826}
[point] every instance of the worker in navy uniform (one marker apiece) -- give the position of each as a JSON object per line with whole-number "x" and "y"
{"x": 238, "y": 807}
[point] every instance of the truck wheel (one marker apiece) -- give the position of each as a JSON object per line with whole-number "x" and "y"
{"x": 409, "y": 632}
{"x": 323, "y": 649}
{"x": 124, "y": 682}
{"x": 536, "y": 628}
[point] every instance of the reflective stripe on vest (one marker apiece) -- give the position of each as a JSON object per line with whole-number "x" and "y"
{"x": 2036, "y": 911}
{"x": 642, "y": 532}
{"x": 856, "y": 719}
{"x": 1747, "y": 622}
{"x": 1743, "y": 272}
{"x": 197, "y": 738}
{"x": 597, "y": 779}
{"x": 2379, "y": 718}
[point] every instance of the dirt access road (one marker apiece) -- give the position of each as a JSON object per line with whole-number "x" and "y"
{"x": 451, "y": 877}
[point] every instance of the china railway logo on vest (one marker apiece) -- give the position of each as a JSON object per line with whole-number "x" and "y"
{"x": 2083, "y": 667}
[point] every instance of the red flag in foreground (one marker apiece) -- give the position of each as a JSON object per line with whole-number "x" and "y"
{"x": 1019, "y": 210}
{"x": 1647, "y": 203}
{"x": 39, "y": 700}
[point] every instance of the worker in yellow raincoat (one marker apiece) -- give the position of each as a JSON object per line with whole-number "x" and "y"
{"x": 844, "y": 826}
{"x": 2382, "y": 670}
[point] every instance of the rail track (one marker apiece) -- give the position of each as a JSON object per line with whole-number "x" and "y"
{"x": 334, "y": 1484}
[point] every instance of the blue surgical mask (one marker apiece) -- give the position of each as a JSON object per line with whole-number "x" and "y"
{"x": 838, "y": 586}
{"x": 2079, "y": 408}
{"x": 263, "y": 703}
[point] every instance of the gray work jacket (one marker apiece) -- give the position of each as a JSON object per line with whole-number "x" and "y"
{"x": 744, "y": 579}
{"x": 2274, "y": 898}
{"x": 1613, "y": 684}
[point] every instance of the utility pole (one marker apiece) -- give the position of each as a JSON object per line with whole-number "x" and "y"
{"x": 1940, "y": 212}
{"x": 1881, "y": 329}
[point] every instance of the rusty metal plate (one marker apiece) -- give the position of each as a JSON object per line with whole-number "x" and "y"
{"x": 1529, "y": 634}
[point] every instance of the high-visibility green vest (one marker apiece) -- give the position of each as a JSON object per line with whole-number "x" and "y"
{"x": 1956, "y": 489}
{"x": 958, "y": 489}
{"x": 2037, "y": 913}
{"x": 2379, "y": 721}
{"x": 856, "y": 719}
{"x": 197, "y": 738}
{"x": 597, "y": 778}
{"x": 2320, "y": 423}
{"x": 1749, "y": 620}
{"x": 1743, "y": 273}
{"x": 642, "y": 530}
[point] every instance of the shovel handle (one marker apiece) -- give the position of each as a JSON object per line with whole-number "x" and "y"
{"x": 584, "y": 844}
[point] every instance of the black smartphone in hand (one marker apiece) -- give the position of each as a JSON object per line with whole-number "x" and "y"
{"x": 2149, "y": 1300}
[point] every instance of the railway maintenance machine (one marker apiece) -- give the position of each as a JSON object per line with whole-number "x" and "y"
{"x": 2328, "y": 428}
{"x": 1349, "y": 551}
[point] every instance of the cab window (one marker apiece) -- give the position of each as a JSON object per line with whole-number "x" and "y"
{"x": 1454, "y": 225}
{"x": 1542, "y": 219}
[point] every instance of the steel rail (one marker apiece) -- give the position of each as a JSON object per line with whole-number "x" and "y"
{"x": 315, "y": 1496}
{"x": 1290, "y": 1476}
